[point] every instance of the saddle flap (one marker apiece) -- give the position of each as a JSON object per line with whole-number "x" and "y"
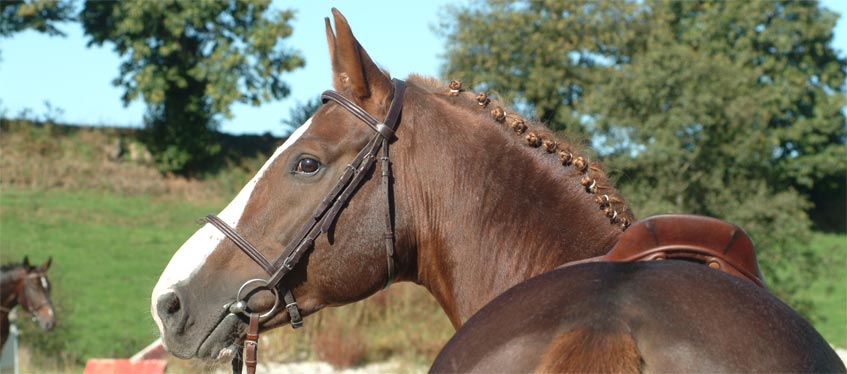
{"x": 718, "y": 244}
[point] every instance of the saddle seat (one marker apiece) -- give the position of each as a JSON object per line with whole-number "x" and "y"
{"x": 718, "y": 244}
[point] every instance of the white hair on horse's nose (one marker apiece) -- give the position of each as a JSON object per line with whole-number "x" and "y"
{"x": 193, "y": 253}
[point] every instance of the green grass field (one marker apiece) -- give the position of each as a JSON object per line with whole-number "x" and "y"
{"x": 830, "y": 295}
{"x": 108, "y": 250}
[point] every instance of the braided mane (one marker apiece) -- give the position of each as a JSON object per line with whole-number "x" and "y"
{"x": 533, "y": 134}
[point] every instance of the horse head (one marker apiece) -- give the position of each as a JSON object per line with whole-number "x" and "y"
{"x": 429, "y": 212}
{"x": 32, "y": 289}
{"x": 206, "y": 272}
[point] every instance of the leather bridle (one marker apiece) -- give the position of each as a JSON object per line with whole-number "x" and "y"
{"x": 319, "y": 222}
{"x": 23, "y": 300}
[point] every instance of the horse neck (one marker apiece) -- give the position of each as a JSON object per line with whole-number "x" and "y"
{"x": 10, "y": 289}
{"x": 490, "y": 212}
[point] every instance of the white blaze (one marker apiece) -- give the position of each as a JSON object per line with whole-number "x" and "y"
{"x": 193, "y": 253}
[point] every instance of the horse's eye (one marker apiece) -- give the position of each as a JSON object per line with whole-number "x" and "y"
{"x": 307, "y": 166}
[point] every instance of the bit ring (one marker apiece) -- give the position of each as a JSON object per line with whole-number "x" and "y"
{"x": 243, "y": 306}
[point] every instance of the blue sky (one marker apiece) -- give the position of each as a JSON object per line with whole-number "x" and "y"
{"x": 36, "y": 68}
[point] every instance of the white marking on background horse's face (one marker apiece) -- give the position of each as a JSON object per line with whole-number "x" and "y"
{"x": 193, "y": 253}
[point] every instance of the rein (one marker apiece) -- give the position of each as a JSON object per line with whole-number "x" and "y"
{"x": 319, "y": 222}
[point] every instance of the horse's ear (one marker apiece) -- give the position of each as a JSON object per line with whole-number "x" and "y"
{"x": 330, "y": 41}
{"x": 46, "y": 265}
{"x": 26, "y": 262}
{"x": 352, "y": 68}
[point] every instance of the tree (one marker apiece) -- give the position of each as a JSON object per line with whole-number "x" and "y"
{"x": 542, "y": 55}
{"x": 717, "y": 108}
{"x": 189, "y": 61}
{"x": 39, "y": 15}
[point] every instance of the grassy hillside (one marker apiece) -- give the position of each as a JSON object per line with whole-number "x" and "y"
{"x": 107, "y": 253}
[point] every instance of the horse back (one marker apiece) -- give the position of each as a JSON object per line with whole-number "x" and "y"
{"x": 667, "y": 316}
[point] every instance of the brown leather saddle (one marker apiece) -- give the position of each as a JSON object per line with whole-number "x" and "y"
{"x": 718, "y": 244}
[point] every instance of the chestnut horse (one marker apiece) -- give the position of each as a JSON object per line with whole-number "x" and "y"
{"x": 25, "y": 285}
{"x": 473, "y": 202}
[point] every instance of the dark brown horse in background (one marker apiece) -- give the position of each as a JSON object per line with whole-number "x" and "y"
{"x": 25, "y": 285}
{"x": 482, "y": 203}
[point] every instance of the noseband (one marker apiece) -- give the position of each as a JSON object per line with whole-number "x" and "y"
{"x": 319, "y": 222}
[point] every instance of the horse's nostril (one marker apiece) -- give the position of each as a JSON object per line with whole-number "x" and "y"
{"x": 173, "y": 305}
{"x": 169, "y": 308}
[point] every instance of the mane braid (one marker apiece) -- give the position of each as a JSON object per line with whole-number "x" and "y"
{"x": 592, "y": 177}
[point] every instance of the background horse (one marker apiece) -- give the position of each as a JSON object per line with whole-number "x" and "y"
{"x": 25, "y": 285}
{"x": 480, "y": 201}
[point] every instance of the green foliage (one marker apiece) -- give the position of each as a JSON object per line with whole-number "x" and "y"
{"x": 725, "y": 109}
{"x": 39, "y": 15}
{"x": 190, "y": 61}
{"x": 542, "y": 54}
